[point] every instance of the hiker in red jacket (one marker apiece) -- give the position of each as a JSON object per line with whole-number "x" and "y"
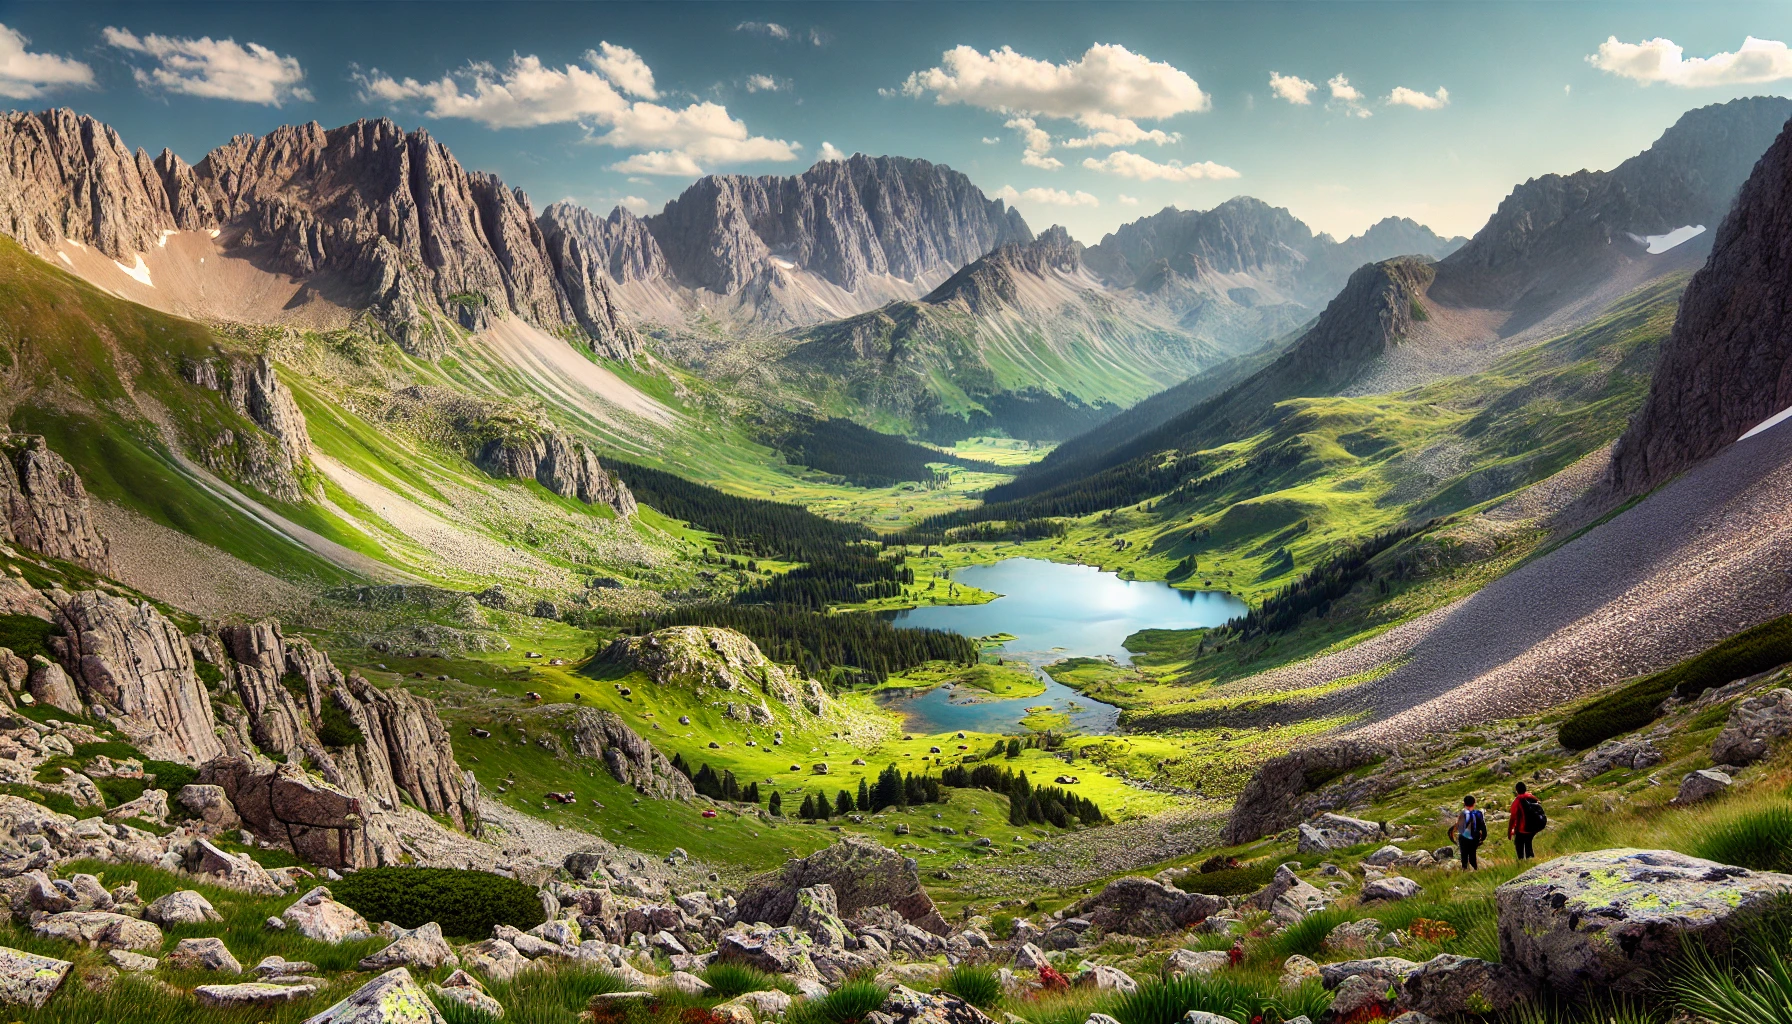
{"x": 1524, "y": 820}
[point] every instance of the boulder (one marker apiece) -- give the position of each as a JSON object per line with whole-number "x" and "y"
{"x": 99, "y": 930}
{"x": 252, "y": 993}
{"x": 1384, "y": 971}
{"x": 687, "y": 983}
{"x": 321, "y": 822}
{"x": 1193, "y": 961}
{"x": 391, "y": 998}
{"x": 766, "y": 1005}
{"x": 1335, "y": 832}
{"x": 152, "y": 807}
{"x": 1287, "y": 898}
{"x": 1203, "y": 1017}
{"x": 317, "y": 916}
{"x": 125, "y": 960}
{"x": 202, "y": 954}
{"x": 1146, "y": 907}
{"x": 1602, "y": 921}
{"x": 1354, "y": 936}
{"x": 1392, "y": 889}
{"x": 1109, "y": 979}
{"x": 862, "y": 874}
{"x": 27, "y": 979}
{"x": 208, "y": 804}
{"x": 904, "y": 1005}
{"x": 1360, "y": 997}
{"x": 1755, "y": 726}
{"x": 494, "y": 958}
{"x": 1448, "y": 985}
{"x": 472, "y": 998}
{"x": 775, "y": 951}
{"x": 277, "y": 966}
{"x": 1029, "y": 957}
{"x": 817, "y": 914}
{"x": 1385, "y": 857}
{"x": 1702, "y": 785}
{"x": 182, "y": 907}
{"x": 422, "y": 946}
{"x": 1297, "y": 970}
{"x": 231, "y": 870}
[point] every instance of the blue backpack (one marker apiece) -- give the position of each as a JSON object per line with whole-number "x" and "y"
{"x": 1477, "y": 825}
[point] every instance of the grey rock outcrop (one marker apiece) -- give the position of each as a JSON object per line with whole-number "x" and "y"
{"x": 1701, "y": 785}
{"x": 128, "y": 657}
{"x": 316, "y": 915}
{"x": 702, "y": 657}
{"x": 862, "y": 874}
{"x": 1278, "y": 794}
{"x": 1755, "y": 726}
{"x": 1335, "y": 832}
{"x": 27, "y": 979}
{"x": 422, "y": 946}
{"x": 1142, "y": 906}
{"x": 631, "y": 759}
{"x": 44, "y": 507}
{"x": 392, "y": 998}
{"x": 67, "y": 176}
{"x": 314, "y": 819}
{"x": 558, "y": 462}
{"x": 1602, "y": 922}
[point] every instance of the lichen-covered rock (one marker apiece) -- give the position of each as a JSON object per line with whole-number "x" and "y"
{"x": 181, "y": 907}
{"x": 1602, "y": 921}
{"x": 100, "y": 930}
{"x": 472, "y": 998}
{"x": 904, "y": 1005}
{"x": 1143, "y": 906}
{"x": 27, "y": 979}
{"x": 422, "y": 946}
{"x": 1448, "y": 985}
{"x": 317, "y": 916}
{"x": 817, "y": 914}
{"x": 251, "y": 993}
{"x": 862, "y": 874}
{"x": 1754, "y": 727}
{"x": 1194, "y": 961}
{"x": 1392, "y": 889}
{"x": 1335, "y": 832}
{"x": 1297, "y": 970}
{"x": 392, "y": 998}
{"x": 202, "y": 954}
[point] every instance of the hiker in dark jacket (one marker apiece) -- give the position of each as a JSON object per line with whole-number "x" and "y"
{"x": 1523, "y": 821}
{"x": 1468, "y": 832}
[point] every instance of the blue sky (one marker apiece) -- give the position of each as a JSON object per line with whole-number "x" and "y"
{"x": 1085, "y": 114}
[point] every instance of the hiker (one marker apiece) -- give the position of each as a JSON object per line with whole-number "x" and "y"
{"x": 1469, "y": 832}
{"x": 1524, "y": 821}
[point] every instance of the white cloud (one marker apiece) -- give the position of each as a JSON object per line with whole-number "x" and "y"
{"x": 764, "y": 28}
{"x": 1138, "y": 168}
{"x": 1038, "y": 142}
{"x": 1292, "y": 88}
{"x": 829, "y": 151}
{"x": 1125, "y": 200}
{"x": 1047, "y": 196}
{"x": 1663, "y": 60}
{"x": 625, "y": 69}
{"x": 635, "y": 205}
{"x": 678, "y": 141}
{"x": 763, "y": 83}
{"x": 1404, "y": 97}
{"x": 1106, "y": 91}
{"x": 26, "y": 76}
{"x": 1346, "y": 98}
{"x": 214, "y": 68}
{"x": 990, "y": 140}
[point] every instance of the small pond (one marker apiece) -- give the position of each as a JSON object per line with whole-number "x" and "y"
{"x": 1053, "y": 611}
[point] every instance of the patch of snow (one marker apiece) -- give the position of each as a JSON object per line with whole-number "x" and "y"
{"x": 214, "y": 232}
{"x": 162, "y": 241}
{"x": 76, "y": 244}
{"x": 784, "y": 263}
{"x": 140, "y": 271}
{"x": 65, "y": 258}
{"x": 1659, "y": 244}
{"x": 1769, "y": 423}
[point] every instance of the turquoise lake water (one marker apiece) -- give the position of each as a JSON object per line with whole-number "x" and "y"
{"x": 1053, "y": 611}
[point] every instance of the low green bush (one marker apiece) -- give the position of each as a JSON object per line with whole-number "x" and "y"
{"x": 1237, "y": 881}
{"x": 27, "y": 635}
{"x": 1759, "y": 839}
{"x": 466, "y": 904}
{"x": 732, "y": 979}
{"x": 976, "y": 984}
{"x": 1636, "y": 704}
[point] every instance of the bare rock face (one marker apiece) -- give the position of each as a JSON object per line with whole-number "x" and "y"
{"x": 1727, "y": 366}
{"x": 67, "y": 176}
{"x": 588, "y": 254}
{"x": 270, "y": 404}
{"x": 633, "y": 760}
{"x": 707, "y": 656}
{"x": 1142, "y": 906}
{"x": 558, "y": 462}
{"x": 43, "y": 506}
{"x": 1754, "y": 728}
{"x": 843, "y": 220}
{"x": 317, "y": 821}
{"x": 131, "y": 659}
{"x": 1279, "y": 794}
{"x": 862, "y": 874}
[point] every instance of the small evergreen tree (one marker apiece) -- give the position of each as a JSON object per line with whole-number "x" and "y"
{"x": 864, "y": 800}
{"x": 776, "y": 805}
{"x": 843, "y": 803}
{"x": 808, "y": 811}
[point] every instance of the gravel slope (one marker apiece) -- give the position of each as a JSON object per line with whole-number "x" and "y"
{"x": 1703, "y": 557}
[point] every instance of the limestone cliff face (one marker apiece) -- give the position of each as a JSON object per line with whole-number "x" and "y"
{"x": 388, "y": 213}
{"x": 44, "y": 507}
{"x": 630, "y": 758}
{"x": 588, "y": 254}
{"x": 130, "y": 659}
{"x": 559, "y": 463}
{"x": 842, "y": 220}
{"x": 991, "y": 283}
{"x": 1727, "y": 366}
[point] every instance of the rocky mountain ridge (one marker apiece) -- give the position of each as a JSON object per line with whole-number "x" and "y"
{"x": 1727, "y": 367}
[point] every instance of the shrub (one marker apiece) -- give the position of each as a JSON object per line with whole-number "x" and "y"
{"x": 976, "y": 984}
{"x": 465, "y": 903}
{"x": 1759, "y": 839}
{"x": 1626, "y": 710}
{"x": 848, "y": 1004}
{"x": 171, "y": 775}
{"x": 732, "y": 979}
{"x": 339, "y": 730}
{"x": 1237, "y": 881}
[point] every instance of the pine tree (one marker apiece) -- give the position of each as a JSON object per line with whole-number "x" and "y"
{"x": 822, "y": 810}
{"x": 843, "y": 803}
{"x": 1013, "y": 748}
{"x": 776, "y": 805}
{"x": 808, "y": 811}
{"x": 750, "y": 794}
{"x": 1017, "y": 810}
{"x": 864, "y": 800}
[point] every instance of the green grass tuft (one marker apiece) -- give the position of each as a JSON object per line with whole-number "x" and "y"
{"x": 1758, "y": 838}
{"x": 732, "y": 979}
{"x": 976, "y": 984}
